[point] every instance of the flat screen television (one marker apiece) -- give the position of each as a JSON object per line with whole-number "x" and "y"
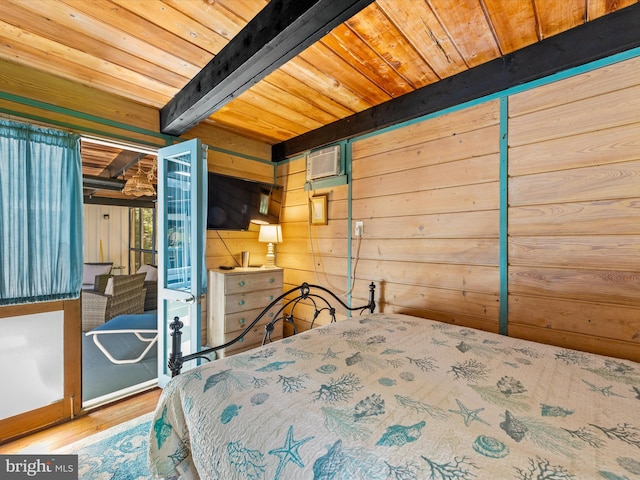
{"x": 234, "y": 202}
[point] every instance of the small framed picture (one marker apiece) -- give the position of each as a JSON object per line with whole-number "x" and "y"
{"x": 318, "y": 210}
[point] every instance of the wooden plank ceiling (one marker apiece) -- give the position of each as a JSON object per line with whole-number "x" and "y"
{"x": 148, "y": 50}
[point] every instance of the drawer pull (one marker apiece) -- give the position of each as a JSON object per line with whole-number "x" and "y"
{"x": 241, "y": 302}
{"x": 270, "y": 297}
{"x": 241, "y": 340}
{"x": 242, "y": 283}
{"x": 242, "y": 321}
{"x": 271, "y": 280}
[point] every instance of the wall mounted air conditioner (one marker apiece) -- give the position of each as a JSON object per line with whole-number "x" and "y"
{"x": 323, "y": 163}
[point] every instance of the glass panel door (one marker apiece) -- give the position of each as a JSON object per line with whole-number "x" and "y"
{"x": 181, "y": 243}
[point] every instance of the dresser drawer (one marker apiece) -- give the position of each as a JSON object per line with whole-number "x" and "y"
{"x": 251, "y": 282}
{"x": 241, "y": 320}
{"x": 235, "y": 298}
{"x": 240, "y": 302}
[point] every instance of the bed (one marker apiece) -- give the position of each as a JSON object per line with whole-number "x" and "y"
{"x": 390, "y": 396}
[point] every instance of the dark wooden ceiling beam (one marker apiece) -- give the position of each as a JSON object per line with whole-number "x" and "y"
{"x": 279, "y": 32}
{"x": 614, "y": 33}
{"x": 125, "y": 160}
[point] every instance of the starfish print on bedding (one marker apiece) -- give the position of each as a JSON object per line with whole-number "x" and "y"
{"x": 330, "y": 354}
{"x": 289, "y": 452}
{"x": 468, "y": 415}
{"x": 604, "y": 391}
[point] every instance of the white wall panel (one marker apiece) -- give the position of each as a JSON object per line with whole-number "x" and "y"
{"x": 107, "y": 225}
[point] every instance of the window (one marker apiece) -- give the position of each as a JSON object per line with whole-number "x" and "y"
{"x": 142, "y": 237}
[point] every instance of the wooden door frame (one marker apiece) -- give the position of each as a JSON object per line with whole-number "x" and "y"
{"x": 71, "y": 403}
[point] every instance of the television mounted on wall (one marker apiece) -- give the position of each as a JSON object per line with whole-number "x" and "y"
{"x": 233, "y": 203}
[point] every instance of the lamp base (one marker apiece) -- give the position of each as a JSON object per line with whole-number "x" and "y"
{"x": 271, "y": 257}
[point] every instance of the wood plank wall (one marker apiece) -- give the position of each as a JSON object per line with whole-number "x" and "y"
{"x": 574, "y": 211}
{"x": 431, "y": 221}
{"x": 429, "y": 196}
{"x": 316, "y": 254}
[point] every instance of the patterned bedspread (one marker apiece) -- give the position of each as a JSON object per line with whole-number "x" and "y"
{"x": 395, "y": 397}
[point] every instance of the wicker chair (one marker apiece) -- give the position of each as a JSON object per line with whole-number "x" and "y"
{"x": 101, "y": 281}
{"x": 91, "y": 271}
{"x": 127, "y": 296}
{"x": 151, "y": 298}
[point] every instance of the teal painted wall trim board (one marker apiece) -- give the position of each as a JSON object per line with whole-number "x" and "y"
{"x": 326, "y": 183}
{"x": 504, "y": 206}
{"x": 213, "y": 148}
{"x": 350, "y": 273}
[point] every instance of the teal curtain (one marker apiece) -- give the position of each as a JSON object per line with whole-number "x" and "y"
{"x": 40, "y": 214}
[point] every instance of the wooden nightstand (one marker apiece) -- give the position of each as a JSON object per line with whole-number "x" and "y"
{"x": 235, "y": 298}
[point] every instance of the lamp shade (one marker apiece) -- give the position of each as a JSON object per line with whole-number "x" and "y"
{"x": 270, "y": 233}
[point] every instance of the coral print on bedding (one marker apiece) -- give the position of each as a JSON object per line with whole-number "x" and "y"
{"x": 397, "y": 397}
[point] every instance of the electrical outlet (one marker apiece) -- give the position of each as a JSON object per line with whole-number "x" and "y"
{"x": 359, "y": 228}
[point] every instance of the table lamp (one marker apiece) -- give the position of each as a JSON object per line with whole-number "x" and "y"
{"x": 270, "y": 234}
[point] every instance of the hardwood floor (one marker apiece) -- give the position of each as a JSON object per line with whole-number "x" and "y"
{"x": 95, "y": 421}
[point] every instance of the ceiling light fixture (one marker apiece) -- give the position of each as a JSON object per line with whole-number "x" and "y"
{"x": 140, "y": 184}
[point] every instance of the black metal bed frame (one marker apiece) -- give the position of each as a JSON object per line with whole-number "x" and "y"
{"x": 176, "y": 359}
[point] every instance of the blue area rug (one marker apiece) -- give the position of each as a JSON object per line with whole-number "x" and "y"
{"x": 119, "y": 453}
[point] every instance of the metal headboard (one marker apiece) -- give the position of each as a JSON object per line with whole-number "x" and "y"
{"x": 306, "y": 292}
